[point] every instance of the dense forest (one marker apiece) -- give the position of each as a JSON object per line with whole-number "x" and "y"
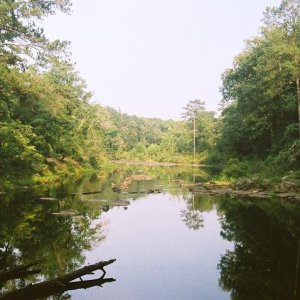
{"x": 49, "y": 126}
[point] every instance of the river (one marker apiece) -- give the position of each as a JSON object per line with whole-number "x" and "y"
{"x": 168, "y": 243}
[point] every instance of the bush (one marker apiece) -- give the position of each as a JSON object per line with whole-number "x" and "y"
{"x": 235, "y": 168}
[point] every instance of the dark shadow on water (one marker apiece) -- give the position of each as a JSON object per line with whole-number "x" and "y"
{"x": 264, "y": 263}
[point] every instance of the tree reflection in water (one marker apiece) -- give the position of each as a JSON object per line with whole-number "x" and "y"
{"x": 29, "y": 231}
{"x": 191, "y": 217}
{"x": 263, "y": 264}
{"x": 265, "y": 260}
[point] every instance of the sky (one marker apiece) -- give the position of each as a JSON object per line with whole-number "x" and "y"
{"x": 150, "y": 57}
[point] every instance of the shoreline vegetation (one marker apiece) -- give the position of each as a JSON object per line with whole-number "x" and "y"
{"x": 287, "y": 188}
{"x": 50, "y": 130}
{"x": 153, "y": 163}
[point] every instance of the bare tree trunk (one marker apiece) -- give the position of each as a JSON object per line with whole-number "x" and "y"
{"x": 194, "y": 138}
{"x": 298, "y": 101}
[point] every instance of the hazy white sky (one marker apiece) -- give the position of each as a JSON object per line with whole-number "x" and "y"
{"x": 150, "y": 57}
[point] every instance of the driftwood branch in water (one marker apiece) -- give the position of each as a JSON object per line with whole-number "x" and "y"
{"x": 61, "y": 284}
{"x": 19, "y": 272}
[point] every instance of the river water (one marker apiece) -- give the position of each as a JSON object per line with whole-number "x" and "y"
{"x": 168, "y": 243}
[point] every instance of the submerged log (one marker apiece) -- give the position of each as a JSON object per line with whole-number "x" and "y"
{"x": 61, "y": 284}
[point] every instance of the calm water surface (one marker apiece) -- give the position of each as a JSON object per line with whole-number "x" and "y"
{"x": 168, "y": 245}
{"x": 158, "y": 256}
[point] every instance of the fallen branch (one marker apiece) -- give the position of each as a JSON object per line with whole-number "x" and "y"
{"x": 61, "y": 284}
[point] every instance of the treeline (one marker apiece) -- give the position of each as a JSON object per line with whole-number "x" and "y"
{"x": 47, "y": 121}
{"x": 261, "y": 98}
{"x": 136, "y": 138}
{"x": 49, "y": 125}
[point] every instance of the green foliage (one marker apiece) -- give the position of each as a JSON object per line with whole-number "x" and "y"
{"x": 21, "y": 38}
{"x": 288, "y": 158}
{"x": 235, "y": 169}
{"x": 46, "y": 117}
{"x": 260, "y": 118}
{"x": 192, "y": 109}
{"x": 16, "y": 150}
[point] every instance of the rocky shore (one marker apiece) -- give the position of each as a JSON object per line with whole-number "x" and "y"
{"x": 253, "y": 187}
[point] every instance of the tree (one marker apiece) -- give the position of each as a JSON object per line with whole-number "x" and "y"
{"x": 20, "y": 37}
{"x": 202, "y": 123}
{"x": 190, "y": 112}
{"x": 286, "y": 18}
{"x": 259, "y": 92}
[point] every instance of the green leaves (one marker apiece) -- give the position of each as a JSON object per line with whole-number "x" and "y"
{"x": 262, "y": 86}
{"x": 16, "y": 150}
{"x": 20, "y": 36}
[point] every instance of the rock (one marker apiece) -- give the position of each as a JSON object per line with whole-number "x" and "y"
{"x": 120, "y": 203}
{"x": 94, "y": 200}
{"x": 50, "y": 160}
{"x": 247, "y": 184}
{"x": 48, "y": 198}
{"x": 213, "y": 186}
{"x": 285, "y": 195}
{"x": 289, "y": 185}
{"x": 116, "y": 189}
{"x": 105, "y": 208}
{"x": 262, "y": 195}
{"x": 155, "y": 190}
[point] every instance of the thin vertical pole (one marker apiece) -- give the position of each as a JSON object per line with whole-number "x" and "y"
{"x": 194, "y": 138}
{"x": 298, "y": 100}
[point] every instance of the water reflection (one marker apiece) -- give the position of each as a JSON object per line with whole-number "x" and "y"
{"x": 263, "y": 263}
{"x": 254, "y": 243}
{"x": 55, "y": 225}
{"x": 29, "y": 231}
{"x": 191, "y": 217}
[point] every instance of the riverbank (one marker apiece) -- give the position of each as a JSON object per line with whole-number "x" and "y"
{"x": 153, "y": 163}
{"x": 288, "y": 189}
